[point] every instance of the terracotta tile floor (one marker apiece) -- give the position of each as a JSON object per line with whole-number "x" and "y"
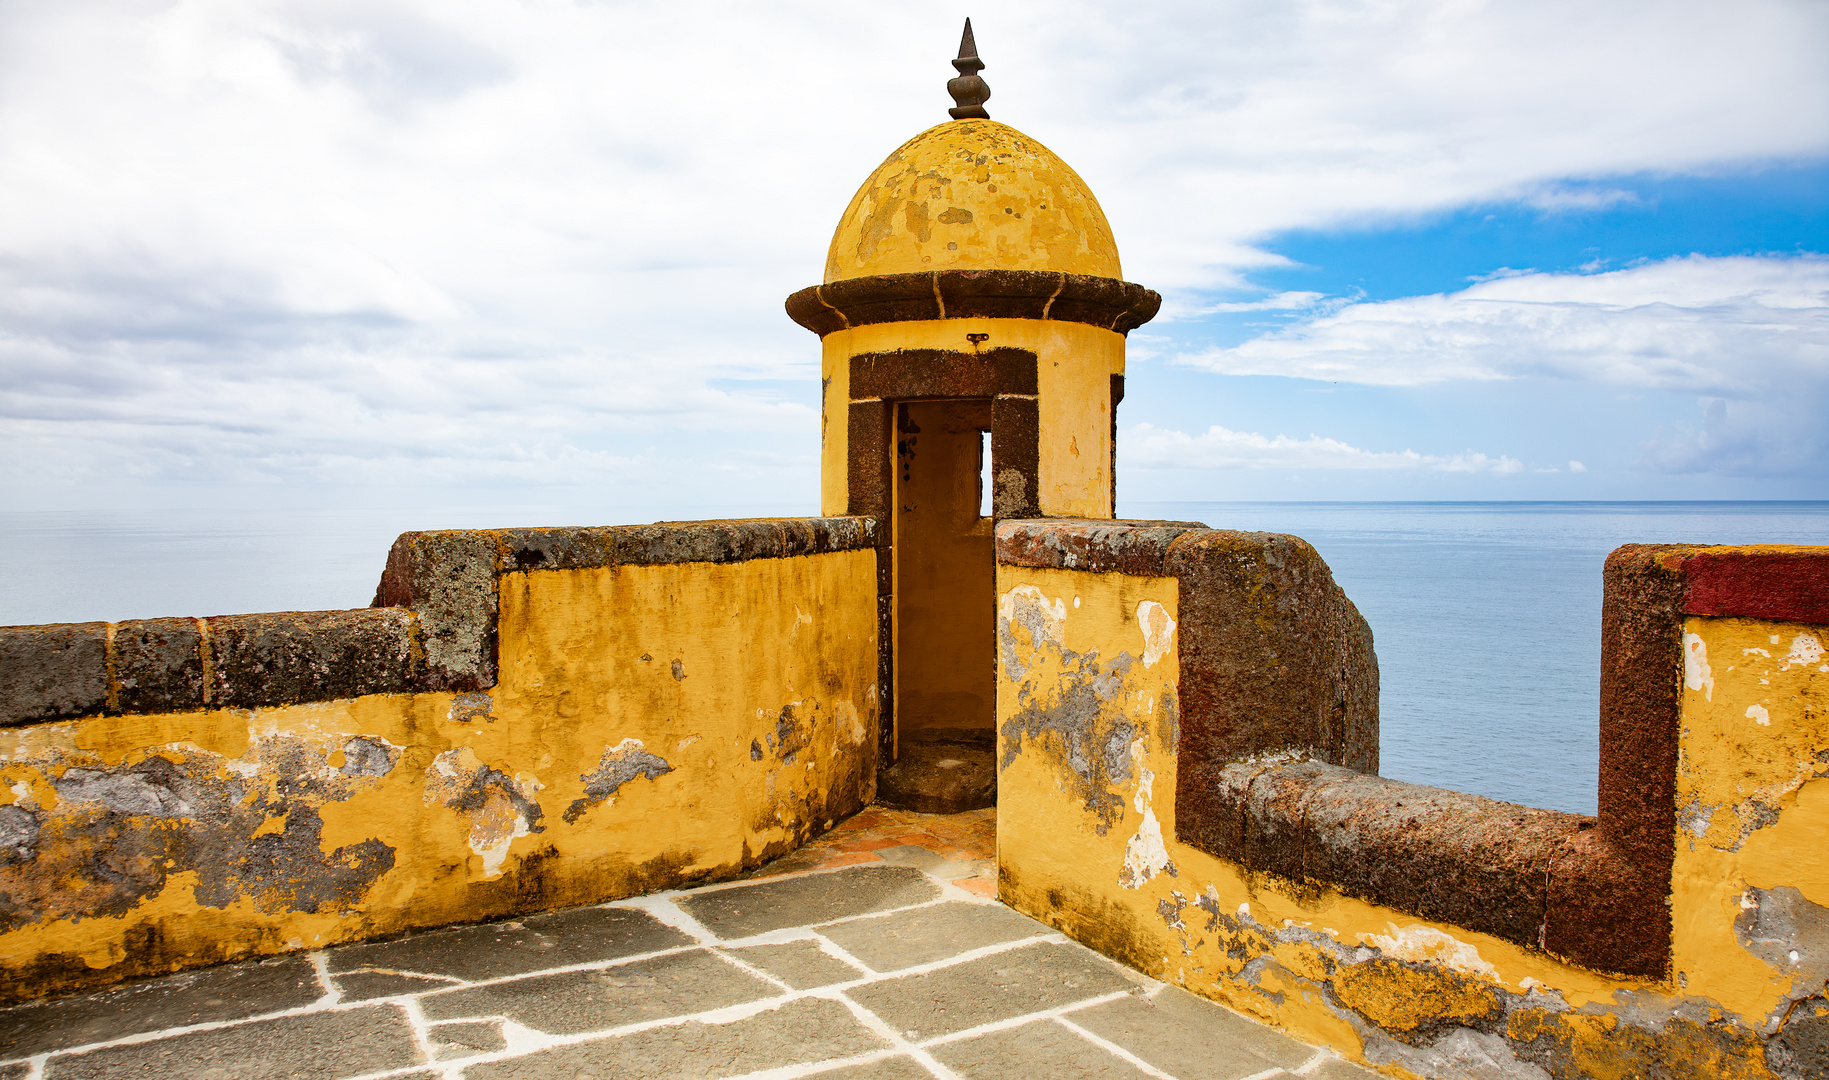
{"x": 961, "y": 848}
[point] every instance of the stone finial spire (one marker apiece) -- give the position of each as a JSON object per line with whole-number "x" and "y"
{"x": 968, "y": 90}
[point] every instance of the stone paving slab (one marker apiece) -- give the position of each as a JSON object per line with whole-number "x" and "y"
{"x": 775, "y": 905}
{"x": 532, "y": 943}
{"x": 1037, "y": 1049}
{"x": 810, "y": 1029}
{"x": 1006, "y": 984}
{"x": 578, "y": 1001}
{"x": 230, "y": 992}
{"x": 925, "y": 934}
{"x": 894, "y": 1068}
{"x": 803, "y": 965}
{"x": 1191, "y": 1039}
{"x": 312, "y": 1046}
{"x": 876, "y": 967}
{"x": 465, "y": 1038}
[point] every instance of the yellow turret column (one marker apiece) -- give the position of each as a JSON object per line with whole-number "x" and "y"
{"x": 972, "y": 299}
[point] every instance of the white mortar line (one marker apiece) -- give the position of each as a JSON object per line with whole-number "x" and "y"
{"x": 967, "y": 956}
{"x": 664, "y": 910}
{"x": 321, "y": 1006}
{"x": 835, "y": 951}
{"x": 421, "y": 1036}
{"x": 896, "y": 1039}
{"x": 430, "y": 976}
{"x": 320, "y": 966}
{"x": 1321, "y": 1057}
{"x": 751, "y": 969}
{"x": 34, "y": 1067}
{"x": 727, "y": 1014}
{"x": 1113, "y": 1048}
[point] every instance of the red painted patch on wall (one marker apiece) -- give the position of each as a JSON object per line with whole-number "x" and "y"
{"x": 1790, "y": 584}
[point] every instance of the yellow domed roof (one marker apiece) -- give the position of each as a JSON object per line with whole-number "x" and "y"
{"x": 972, "y": 195}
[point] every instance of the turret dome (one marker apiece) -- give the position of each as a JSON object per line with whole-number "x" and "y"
{"x": 972, "y": 194}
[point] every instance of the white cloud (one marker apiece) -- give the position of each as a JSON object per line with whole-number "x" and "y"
{"x": 1149, "y": 447}
{"x": 1724, "y": 326}
{"x": 1283, "y": 301}
{"x": 332, "y": 240}
{"x": 1748, "y": 335}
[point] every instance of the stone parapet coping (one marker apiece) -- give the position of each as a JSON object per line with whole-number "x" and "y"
{"x": 1121, "y": 306}
{"x": 1592, "y": 890}
{"x": 432, "y": 625}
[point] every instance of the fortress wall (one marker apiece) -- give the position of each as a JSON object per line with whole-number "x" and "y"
{"x": 1185, "y": 784}
{"x": 536, "y": 718}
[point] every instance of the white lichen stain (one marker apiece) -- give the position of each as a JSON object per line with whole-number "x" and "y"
{"x": 1696, "y": 675}
{"x": 1158, "y": 631}
{"x": 1805, "y": 650}
{"x": 1427, "y": 945}
{"x": 1145, "y": 855}
{"x": 1758, "y": 714}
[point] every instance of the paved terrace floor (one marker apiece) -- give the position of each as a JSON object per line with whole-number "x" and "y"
{"x": 876, "y": 952}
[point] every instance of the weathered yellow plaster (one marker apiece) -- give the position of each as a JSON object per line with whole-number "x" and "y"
{"x": 1075, "y": 363}
{"x": 1752, "y": 801}
{"x": 1277, "y": 949}
{"x": 967, "y": 195}
{"x": 652, "y": 726}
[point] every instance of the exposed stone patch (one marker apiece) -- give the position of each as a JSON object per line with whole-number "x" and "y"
{"x": 469, "y": 707}
{"x": 18, "y": 835}
{"x": 117, "y": 833}
{"x": 620, "y": 764}
{"x": 1787, "y": 931}
{"x": 369, "y": 756}
{"x": 1801, "y": 1049}
{"x": 498, "y": 807}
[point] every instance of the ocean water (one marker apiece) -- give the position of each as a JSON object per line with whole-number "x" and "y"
{"x": 1486, "y": 621}
{"x": 1486, "y": 616}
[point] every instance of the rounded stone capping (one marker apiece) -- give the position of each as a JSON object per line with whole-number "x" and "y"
{"x": 1120, "y": 306}
{"x": 432, "y": 626}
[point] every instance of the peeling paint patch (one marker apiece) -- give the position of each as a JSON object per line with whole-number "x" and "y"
{"x": 1026, "y": 606}
{"x": 499, "y": 808}
{"x": 1427, "y": 945}
{"x": 1758, "y": 715}
{"x": 1145, "y": 855}
{"x": 620, "y": 764}
{"x": 368, "y": 755}
{"x": 1696, "y": 673}
{"x": 1787, "y": 931}
{"x": 1158, "y": 631}
{"x": 845, "y": 715}
{"x": 1805, "y": 650}
{"x": 468, "y": 707}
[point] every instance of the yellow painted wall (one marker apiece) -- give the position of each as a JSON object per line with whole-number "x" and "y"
{"x": 736, "y": 703}
{"x": 1752, "y": 804}
{"x": 1085, "y": 841}
{"x": 1075, "y": 365}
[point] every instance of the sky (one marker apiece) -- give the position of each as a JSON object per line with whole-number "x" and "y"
{"x": 480, "y": 252}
